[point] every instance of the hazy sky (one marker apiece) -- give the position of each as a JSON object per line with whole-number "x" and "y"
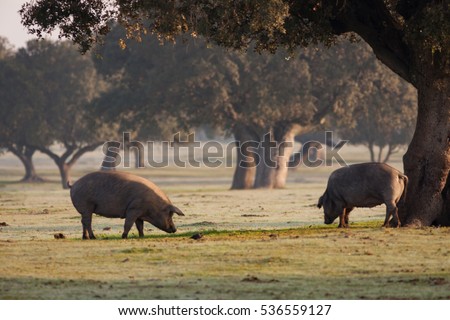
{"x": 10, "y": 26}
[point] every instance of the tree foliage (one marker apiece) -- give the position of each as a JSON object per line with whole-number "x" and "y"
{"x": 376, "y": 109}
{"x": 389, "y": 26}
{"x": 17, "y": 96}
{"x": 46, "y": 99}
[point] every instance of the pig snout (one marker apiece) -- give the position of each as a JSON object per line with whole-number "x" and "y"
{"x": 328, "y": 220}
{"x": 172, "y": 229}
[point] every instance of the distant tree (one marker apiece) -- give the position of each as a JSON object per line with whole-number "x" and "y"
{"x": 68, "y": 83}
{"x": 6, "y": 49}
{"x": 380, "y": 111}
{"x": 254, "y": 98}
{"x": 17, "y": 97}
{"x": 133, "y": 101}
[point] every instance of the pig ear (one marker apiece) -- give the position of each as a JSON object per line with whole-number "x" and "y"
{"x": 174, "y": 209}
{"x": 320, "y": 203}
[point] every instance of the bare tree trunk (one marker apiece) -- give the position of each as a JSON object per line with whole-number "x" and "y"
{"x": 266, "y": 168}
{"x": 265, "y": 174}
{"x": 388, "y": 154}
{"x": 25, "y": 155}
{"x": 30, "y": 171}
{"x": 427, "y": 161}
{"x": 380, "y": 153}
{"x": 372, "y": 153}
{"x": 272, "y": 170}
{"x": 66, "y": 161}
{"x": 244, "y": 174}
{"x": 64, "y": 171}
{"x": 285, "y": 150}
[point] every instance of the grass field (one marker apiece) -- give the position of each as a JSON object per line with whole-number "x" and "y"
{"x": 256, "y": 244}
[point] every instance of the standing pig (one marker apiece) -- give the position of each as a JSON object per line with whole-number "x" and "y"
{"x": 122, "y": 195}
{"x": 363, "y": 185}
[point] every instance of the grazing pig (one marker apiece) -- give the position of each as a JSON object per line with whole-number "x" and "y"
{"x": 363, "y": 185}
{"x": 122, "y": 195}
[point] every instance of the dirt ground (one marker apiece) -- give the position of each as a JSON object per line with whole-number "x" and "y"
{"x": 256, "y": 244}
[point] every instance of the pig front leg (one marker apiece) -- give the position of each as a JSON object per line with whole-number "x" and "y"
{"x": 140, "y": 226}
{"x": 342, "y": 220}
{"x": 131, "y": 218}
{"x": 342, "y": 223}
{"x": 343, "y": 217}
{"x": 346, "y": 216}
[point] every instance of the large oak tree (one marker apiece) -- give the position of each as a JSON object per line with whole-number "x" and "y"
{"x": 410, "y": 37}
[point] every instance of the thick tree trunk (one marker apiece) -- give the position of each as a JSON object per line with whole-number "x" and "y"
{"x": 285, "y": 151}
{"x": 272, "y": 171}
{"x": 265, "y": 174}
{"x": 444, "y": 218}
{"x": 244, "y": 174}
{"x": 427, "y": 161}
{"x": 266, "y": 168}
{"x": 30, "y": 171}
{"x": 25, "y": 155}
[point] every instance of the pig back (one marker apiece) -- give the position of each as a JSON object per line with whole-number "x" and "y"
{"x": 364, "y": 185}
{"x": 110, "y": 193}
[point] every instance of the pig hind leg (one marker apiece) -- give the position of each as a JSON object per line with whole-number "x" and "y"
{"x": 86, "y": 221}
{"x": 391, "y": 209}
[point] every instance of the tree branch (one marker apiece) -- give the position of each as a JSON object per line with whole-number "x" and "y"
{"x": 69, "y": 150}
{"x": 231, "y": 113}
{"x": 48, "y": 152}
{"x": 372, "y": 20}
{"x": 15, "y": 151}
{"x": 320, "y": 114}
{"x": 77, "y": 155}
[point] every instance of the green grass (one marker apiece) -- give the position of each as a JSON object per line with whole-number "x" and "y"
{"x": 362, "y": 262}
